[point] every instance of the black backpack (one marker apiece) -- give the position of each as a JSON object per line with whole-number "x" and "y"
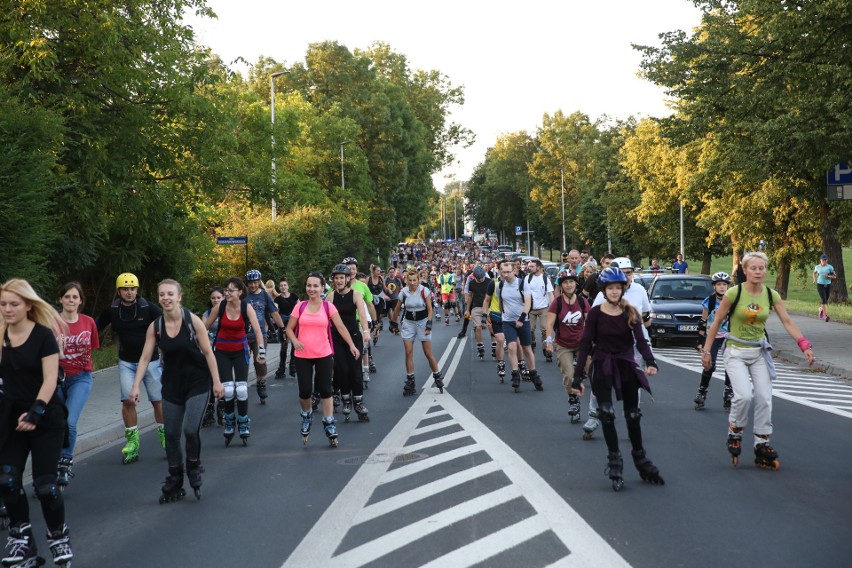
{"x": 520, "y": 290}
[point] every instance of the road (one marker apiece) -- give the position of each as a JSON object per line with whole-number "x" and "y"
{"x": 482, "y": 476}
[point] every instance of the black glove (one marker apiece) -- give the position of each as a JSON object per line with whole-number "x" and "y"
{"x": 36, "y": 412}
{"x": 429, "y": 325}
{"x": 577, "y": 382}
{"x": 523, "y": 317}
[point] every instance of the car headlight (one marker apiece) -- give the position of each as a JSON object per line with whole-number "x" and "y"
{"x": 661, "y": 316}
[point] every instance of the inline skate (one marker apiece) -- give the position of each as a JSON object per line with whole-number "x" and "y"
{"x": 63, "y": 472}
{"x": 209, "y": 417}
{"x": 347, "y": 406}
{"x": 4, "y": 517}
{"x": 700, "y": 398}
{"x": 193, "y": 475}
{"x": 60, "y": 546}
{"x": 516, "y": 381}
{"x": 365, "y": 376}
{"x": 522, "y": 368}
{"x": 727, "y": 397}
{"x": 536, "y": 380}
{"x": 173, "y": 485}
{"x": 335, "y": 400}
{"x": 410, "y": 388}
{"x": 494, "y": 350}
{"x": 130, "y": 451}
{"x": 646, "y": 468}
{"x": 765, "y": 456}
{"x": 261, "y": 391}
{"x": 21, "y": 550}
{"x": 501, "y": 371}
{"x": 307, "y": 418}
{"x": 615, "y": 469}
{"x": 591, "y": 424}
{"x": 735, "y": 439}
{"x": 574, "y": 408}
{"x": 230, "y": 427}
{"x": 243, "y": 426}
{"x": 361, "y": 410}
{"x": 372, "y": 365}
{"x": 315, "y": 401}
{"x": 220, "y": 413}
{"x": 480, "y": 351}
{"x": 438, "y": 382}
{"x": 330, "y": 430}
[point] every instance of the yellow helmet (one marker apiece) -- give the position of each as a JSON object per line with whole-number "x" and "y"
{"x": 126, "y": 280}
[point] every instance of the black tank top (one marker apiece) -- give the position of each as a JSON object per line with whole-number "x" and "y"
{"x": 345, "y": 305}
{"x": 375, "y": 289}
{"x": 185, "y": 371}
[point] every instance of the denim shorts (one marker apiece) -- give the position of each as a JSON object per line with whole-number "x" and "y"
{"x": 152, "y": 381}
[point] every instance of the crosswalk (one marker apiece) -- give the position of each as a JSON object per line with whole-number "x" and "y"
{"x": 444, "y": 490}
{"x": 813, "y": 389}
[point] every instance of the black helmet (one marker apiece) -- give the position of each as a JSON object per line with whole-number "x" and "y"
{"x": 341, "y": 269}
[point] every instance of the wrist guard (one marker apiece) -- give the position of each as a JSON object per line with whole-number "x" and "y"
{"x": 577, "y": 382}
{"x": 429, "y": 325}
{"x": 523, "y": 317}
{"x": 804, "y": 344}
{"x": 261, "y": 351}
{"x": 36, "y": 412}
{"x": 702, "y": 325}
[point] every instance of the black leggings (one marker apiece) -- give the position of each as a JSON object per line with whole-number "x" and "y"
{"x": 823, "y": 290}
{"x": 314, "y": 375}
{"x": 43, "y": 444}
{"x": 185, "y": 418}
{"x": 630, "y": 400}
{"x": 348, "y": 375}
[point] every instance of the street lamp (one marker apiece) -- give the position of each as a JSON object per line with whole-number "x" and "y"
{"x": 562, "y": 183}
{"x": 272, "y": 112}
{"x": 342, "y": 176}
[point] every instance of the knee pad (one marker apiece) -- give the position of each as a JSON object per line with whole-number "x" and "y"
{"x": 606, "y": 413}
{"x": 48, "y": 492}
{"x": 633, "y": 416}
{"x": 242, "y": 391}
{"x": 229, "y": 390}
{"x": 10, "y": 482}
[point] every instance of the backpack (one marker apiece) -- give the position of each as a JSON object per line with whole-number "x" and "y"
{"x": 187, "y": 323}
{"x": 142, "y": 302}
{"x": 500, "y": 291}
{"x": 327, "y": 315}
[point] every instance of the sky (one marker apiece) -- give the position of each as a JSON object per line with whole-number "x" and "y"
{"x": 517, "y": 61}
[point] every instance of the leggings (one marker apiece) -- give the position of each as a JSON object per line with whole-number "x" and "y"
{"x": 233, "y": 372}
{"x": 630, "y": 398}
{"x": 348, "y": 375}
{"x": 314, "y": 375}
{"x": 823, "y": 290}
{"x": 184, "y": 418}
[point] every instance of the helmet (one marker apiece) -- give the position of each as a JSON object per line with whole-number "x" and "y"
{"x": 721, "y": 277}
{"x": 350, "y": 260}
{"x": 479, "y": 272}
{"x": 566, "y": 274}
{"x": 253, "y": 276}
{"x": 444, "y": 267}
{"x": 612, "y": 275}
{"x": 622, "y": 262}
{"x": 126, "y": 280}
{"x": 341, "y": 269}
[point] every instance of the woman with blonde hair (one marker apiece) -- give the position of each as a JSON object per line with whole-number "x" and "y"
{"x": 32, "y": 420}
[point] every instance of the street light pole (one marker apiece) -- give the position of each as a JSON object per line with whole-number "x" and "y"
{"x": 272, "y": 113}
{"x": 681, "y": 228}
{"x": 562, "y": 183}
{"x": 342, "y": 175}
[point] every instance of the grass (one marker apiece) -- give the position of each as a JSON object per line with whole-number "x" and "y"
{"x": 106, "y": 356}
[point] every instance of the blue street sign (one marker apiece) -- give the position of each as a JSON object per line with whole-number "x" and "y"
{"x": 519, "y": 230}
{"x": 231, "y": 240}
{"x": 840, "y": 174}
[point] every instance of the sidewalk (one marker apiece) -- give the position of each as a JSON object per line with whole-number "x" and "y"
{"x": 101, "y": 423}
{"x": 832, "y": 344}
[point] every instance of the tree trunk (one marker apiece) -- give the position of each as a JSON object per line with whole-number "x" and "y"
{"x": 829, "y": 225}
{"x": 782, "y": 278}
{"x": 735, "y": 264}
{"x": 705, "y": 262}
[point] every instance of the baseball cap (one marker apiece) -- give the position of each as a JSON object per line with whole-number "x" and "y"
{"x": 823, "y": 256}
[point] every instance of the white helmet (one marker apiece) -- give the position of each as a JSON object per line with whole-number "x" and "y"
{"x": 622, "y": 262}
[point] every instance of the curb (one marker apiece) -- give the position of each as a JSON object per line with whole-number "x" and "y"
{"x": 798, "y": 359}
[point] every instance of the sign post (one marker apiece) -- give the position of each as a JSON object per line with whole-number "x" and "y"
{"x": 243, "y": 240}
{"x": 839, "y": 182}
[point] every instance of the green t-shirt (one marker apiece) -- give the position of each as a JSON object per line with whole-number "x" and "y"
{"x": 362, "y": 289}
{"x": 748, "y": 320}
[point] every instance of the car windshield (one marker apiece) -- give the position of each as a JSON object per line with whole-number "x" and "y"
{"x": 681, "y": 289}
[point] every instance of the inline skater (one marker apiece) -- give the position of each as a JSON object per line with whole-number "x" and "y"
{"x": 541, "y": 291}
{"x": 367, "y": 365}
{"x": 491, "y": 307}
{"x": 309, "y": 330}
{"x": 76, "y": 365}
{"x": 189, "y": 374}
{"x": 348, "y": 377}
{"x": 33, "y": 422}
{"x": 475, "y": 292}
{"x": 376, "y": 284}
{"x": 515, "y": 303}
{"x": 446, "y": 283}
{"x": 590, "y": 287}
{"x": 570, "y": 310}
{"x": 286, "y": 301}
{"x": 233, "y": 355}
{"x": 612, "y": 329}
{"x": 214, "y": 412}
{"x": 416, "y": 303}
{"x": 130, "y": 315}
{"x": 265, "y": 308}
{"x": 721, "y": 283}
{"x": 747, "y": 357}
{"x": 458, "y": 291}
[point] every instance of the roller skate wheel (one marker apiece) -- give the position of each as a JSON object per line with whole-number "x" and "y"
{"x": 587, "y": 435}
{"x": 263, "y": 401}
{"x": 197, "y": 493}
{"x": 699, "y": 406}
{"x": 735, "y": 460}
{"x": 363, "y": 417}
{"x": 517, "y": 389}
{"x": 304, "y": 440}
{"x": 617, "y": 484}
{"x": 245, "y": 442}
{"x": 575, "y": 419}
{"x": 333, "y": 442}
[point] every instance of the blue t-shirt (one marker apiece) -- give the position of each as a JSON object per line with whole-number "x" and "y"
{"x": 264, "y": 306}
{"x": 680, "y": 267}
{"x": 823, "y": 272}
{"x": 711, "y": 316}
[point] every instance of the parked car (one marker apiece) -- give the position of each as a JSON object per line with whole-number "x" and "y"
{"x": 676, "y": 305}
{"x": 551, "y": 269}
{"x": 504, "y": 248}
{"x": 644, "y": 279}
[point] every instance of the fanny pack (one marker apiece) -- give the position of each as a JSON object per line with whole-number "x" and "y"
{"x": 416, "y": 316}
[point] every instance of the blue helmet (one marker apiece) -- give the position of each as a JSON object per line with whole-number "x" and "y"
{"x": 253, "y": 276}
{"x": 612, "y": 275}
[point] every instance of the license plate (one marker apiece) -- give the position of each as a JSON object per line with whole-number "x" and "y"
{"x": 687, "y": 328}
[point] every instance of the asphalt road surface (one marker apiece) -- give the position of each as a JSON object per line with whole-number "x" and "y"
{"x": 482, "y": 476}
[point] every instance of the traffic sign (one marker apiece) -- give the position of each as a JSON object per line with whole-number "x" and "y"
{"x": 519, "y": 230}
{"x": 839, "y": 192}
{"x": 231, "y": 240}
{"x": 840, "y": 174}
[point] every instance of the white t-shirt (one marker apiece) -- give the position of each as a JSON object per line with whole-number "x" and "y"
{"x": 538, "y": 288}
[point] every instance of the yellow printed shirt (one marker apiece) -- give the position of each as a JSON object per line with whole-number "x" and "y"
{"x": 447, "y": 282}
